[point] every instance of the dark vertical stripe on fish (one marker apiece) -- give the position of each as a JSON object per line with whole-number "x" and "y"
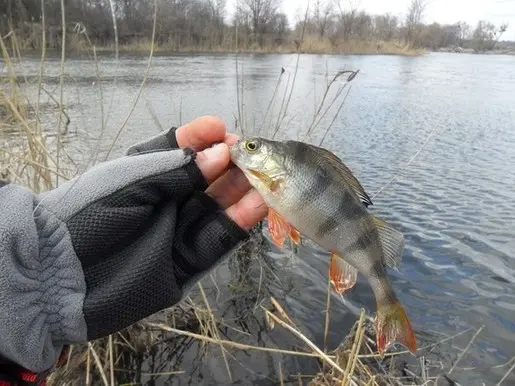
{"x": 302, "y": 154}
{"x": 378, "y": 269}
{"x": 362, "y": 243}
{"x": 320, "y": 183}
{"x": 346, "y": 209}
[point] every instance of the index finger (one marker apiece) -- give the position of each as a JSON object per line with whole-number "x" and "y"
{"x": 201, "y": 133}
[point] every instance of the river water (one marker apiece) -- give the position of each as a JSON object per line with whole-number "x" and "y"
{"x": 454, "y": 202}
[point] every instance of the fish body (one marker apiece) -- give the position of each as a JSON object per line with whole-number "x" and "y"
{"x": 311, "y": 193}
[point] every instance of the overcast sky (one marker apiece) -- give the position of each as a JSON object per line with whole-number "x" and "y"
{"x": 441, "y": 11}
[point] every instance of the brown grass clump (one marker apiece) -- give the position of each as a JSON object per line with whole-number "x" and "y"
{"x": 38, "y": 159}
{"x": 312, "y": 44}
{"x": 30, "y": 38}
{"x": 25, "y": 155}
{"x": 325, "y": 45}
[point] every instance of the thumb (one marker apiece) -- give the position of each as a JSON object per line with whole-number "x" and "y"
{"x": 213, "y": 162}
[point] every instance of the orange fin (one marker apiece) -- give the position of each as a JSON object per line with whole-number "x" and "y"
{"x": 393, "y": 326}
{"x": 294, "y": 235}
{"x": 342, "y": 274}
{"x": 280, "y": 229}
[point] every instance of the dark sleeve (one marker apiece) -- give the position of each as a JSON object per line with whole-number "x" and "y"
{"x": 12, "y": 374}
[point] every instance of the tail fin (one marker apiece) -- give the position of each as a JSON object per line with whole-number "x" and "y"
{"x": 393, "y": 326}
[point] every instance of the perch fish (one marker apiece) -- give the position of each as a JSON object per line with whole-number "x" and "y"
{"x": 311, "y": 193}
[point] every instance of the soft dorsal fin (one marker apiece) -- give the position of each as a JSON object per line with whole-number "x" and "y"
{"x": 392, "y": 242}
{"x": 344, "y": 172}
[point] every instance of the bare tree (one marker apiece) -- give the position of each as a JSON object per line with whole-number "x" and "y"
{"x": 322, "y": 14}
{"x": 386, "y": 27}
{"x": 260, "y": 13}
{"x": 463, "y": 32}
{"x": 414, "y": 18}
{"x": 487, "y": 35}
{"x": 202, "y": 24}
{"x": 348, "y": 17}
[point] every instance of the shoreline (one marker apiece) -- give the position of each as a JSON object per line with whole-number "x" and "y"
{"x": 159, "y": 52}
{"x": 357, "y": 47}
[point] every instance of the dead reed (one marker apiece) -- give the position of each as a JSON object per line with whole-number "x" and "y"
{"x": 31, "y": 158}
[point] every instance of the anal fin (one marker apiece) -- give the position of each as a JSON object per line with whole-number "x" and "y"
{"x": 342, "y": 274}
{"x": 280, "y": 229}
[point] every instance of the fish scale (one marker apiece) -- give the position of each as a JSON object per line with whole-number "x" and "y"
{"x": 311, "y": 193}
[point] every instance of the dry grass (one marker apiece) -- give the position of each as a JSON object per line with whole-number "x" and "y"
{"x": 312, "y": 45}
{"x": 26, "y": 154}
{"x": 315, "y": 44}
{"x": 77, "y": 42}
{"x": 29, "y": 158}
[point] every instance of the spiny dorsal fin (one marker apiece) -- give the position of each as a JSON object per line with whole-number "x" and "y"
{"x": 392, "y": 242}
{"x": 344, "y": 172}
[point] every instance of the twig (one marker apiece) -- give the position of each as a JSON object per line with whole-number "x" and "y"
{"x": 213, "y": 322}
{"x": 88, "y": 367}
{"x": 229, "y": 343}
{"x": 327, "y": 311}
{"x": 298, "y": 334}
{"x": 466, "y": 349}
{"x": 61, "y": 84}
{"x": 386, "y": 355}
{"x": 506, "y": 375}
{"x": 99, "y": 365}
{"x": 111, "y": 361}
{"x": 280, "y": 119}
{"x": 353, "y": 356}
{"x": 335, "y": 116}
{"x": 142, "y": 83}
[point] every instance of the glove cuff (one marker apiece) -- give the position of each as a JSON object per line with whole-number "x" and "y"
{"x": 172, "y": 138}
{"x": 194, "y": 172}
{"x": 204, "y": 236}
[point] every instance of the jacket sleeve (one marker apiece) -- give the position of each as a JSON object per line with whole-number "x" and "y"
{"x": 41, "y": 291}
{"x": 42, "y": 281}
{"x": 50, "y": 243}
{"x": 44, "y": 262}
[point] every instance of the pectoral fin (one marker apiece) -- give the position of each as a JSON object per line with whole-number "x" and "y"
{"x": 392, "y": 242}
{"x": 280, "y": 229}
{"x": 342, "y": 274}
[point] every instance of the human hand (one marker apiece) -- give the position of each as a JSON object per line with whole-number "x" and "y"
{"x": 145, "y": 227}
{"x": 227, "y": 184}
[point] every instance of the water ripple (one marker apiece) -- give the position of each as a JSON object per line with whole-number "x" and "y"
{"x": 455, "y": 203}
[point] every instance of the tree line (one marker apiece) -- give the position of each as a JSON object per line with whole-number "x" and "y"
{"x": 255, "y": 24}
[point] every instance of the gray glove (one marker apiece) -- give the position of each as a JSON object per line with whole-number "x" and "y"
{"x": 104, "y": 250}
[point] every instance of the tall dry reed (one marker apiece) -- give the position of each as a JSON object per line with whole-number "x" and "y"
{"x": 38, "y": 158}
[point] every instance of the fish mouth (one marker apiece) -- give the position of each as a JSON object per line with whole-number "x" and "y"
{"x": 233, "y": 149}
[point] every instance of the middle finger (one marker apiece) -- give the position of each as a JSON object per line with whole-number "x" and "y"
{"x": 229, "y": 188}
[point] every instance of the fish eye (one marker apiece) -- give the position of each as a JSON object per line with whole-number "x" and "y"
{"x": 251, "y": 146}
